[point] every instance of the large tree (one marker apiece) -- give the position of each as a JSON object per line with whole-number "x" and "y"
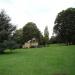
{"x": 6, "y": 29}
{"x": 65, "y": 26}
{"x": 30, "y": 31}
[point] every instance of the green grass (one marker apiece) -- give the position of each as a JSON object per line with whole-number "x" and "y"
{"x": 53, "y": 60}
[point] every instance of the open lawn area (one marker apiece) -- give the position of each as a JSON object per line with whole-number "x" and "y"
{"x": 52, "y": 60}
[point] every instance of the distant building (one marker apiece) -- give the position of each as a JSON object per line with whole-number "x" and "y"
{"x": 31, "y": 43}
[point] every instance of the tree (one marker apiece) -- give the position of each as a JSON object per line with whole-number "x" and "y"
{"x": 65, "y": 26}
{"x": 30, "y": 31}
{"x": 46, "y": 36}
{"x": 10, "y": 44}
{"x": 6, "y": 29}
{"x": 18, "y": 37}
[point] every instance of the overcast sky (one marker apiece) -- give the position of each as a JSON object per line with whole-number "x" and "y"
{"x": 41, "y": 12}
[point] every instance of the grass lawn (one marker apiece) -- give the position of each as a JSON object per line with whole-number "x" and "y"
{"x": 53, "y": 60}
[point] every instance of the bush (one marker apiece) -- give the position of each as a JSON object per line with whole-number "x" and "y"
{"x": 8, "y": 44}
{"x": 2, "y": 47}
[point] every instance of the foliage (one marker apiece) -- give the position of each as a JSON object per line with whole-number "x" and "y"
{"x": 6, "y": 29}
{"x": 52, "y": 40}
{"x": 46, "y": 36}
{"x": 2, "y": 47}
{"x": 30, "y": 31}
{"x": 65, "y": 26}
{"x": 18, "y": 37}
{"x": 55, "y": 39}
{"x": 10, "y": 44}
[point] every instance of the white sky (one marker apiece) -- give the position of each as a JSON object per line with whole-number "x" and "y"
{"x": 41, "y": 12}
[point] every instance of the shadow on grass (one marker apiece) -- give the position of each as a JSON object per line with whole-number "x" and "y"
{"x": 60, "y": 74}
{"x": 9, "y": 53}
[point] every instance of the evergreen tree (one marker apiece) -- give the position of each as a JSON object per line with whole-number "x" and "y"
{"x": 46, "y": 35}
{"x": 6, "y": 30}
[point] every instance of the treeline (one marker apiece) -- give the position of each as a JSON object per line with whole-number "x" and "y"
{"x": 63, "y": 31}
{"x": 30, "y": 31}
{"x": 11, "y": 38}
{"x": 64, "y": 27}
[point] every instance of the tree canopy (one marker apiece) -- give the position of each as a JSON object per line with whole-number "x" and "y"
{"x": 30, "y": 31}
{"x": 65, "y": 25}
{"x": 18, "y": 37}
{"x": 6, "y": 29}
{"x": 46, "y": 35}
